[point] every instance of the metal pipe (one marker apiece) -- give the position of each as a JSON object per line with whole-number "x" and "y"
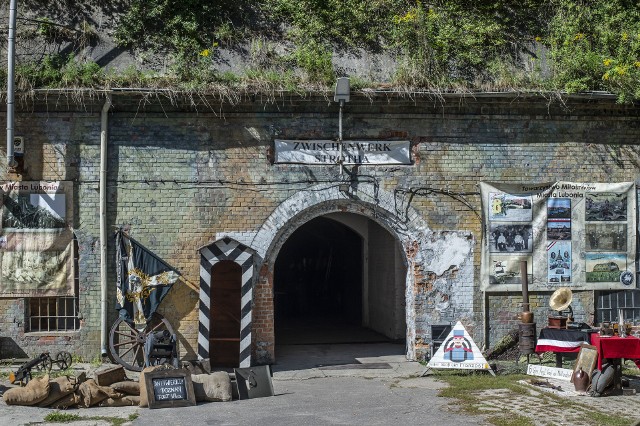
{"x": 103, "y": 223}
{"x": 341, "y": 160}
{"x": 525, "y": 285}
{"x": 11, "y": 53}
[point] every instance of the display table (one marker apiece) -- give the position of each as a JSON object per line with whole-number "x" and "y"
{"x": 615, "y": 347}
{"x": 561, "y": 340}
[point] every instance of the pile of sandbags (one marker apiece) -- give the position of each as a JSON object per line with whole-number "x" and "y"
{"x": 69, "y": 391}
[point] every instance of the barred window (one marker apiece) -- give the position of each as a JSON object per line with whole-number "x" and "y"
{"x": 53, "y": 314}
{"x": 608, "y": 303}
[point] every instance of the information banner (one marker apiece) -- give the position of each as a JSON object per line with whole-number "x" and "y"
{"x": 578, "y": 235}
{"x": 36, "y": 240}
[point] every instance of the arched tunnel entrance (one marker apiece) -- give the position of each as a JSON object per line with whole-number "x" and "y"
{"x": 339, "y": 278}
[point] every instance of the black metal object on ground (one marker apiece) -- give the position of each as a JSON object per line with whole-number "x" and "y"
{"x": 44, "y": 362}
{"x": 160, "y": 347}
{"x": 254, "y": 382}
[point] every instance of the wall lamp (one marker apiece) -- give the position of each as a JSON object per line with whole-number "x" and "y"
{"x": 342, "y": 95}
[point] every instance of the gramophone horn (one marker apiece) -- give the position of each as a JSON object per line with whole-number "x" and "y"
{"x": 561, "y": 299}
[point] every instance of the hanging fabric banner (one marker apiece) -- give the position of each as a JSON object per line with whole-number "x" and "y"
{"x": 36, "y": 239}
{"x": 577, "y": 235}
{"x": 143, "y": 280}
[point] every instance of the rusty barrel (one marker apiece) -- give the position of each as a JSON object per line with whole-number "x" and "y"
{"x": 527, "y": 338}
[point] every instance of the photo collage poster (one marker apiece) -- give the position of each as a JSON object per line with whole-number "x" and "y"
{"x": 578, "y": 235}
{"x": 36, "y": 239}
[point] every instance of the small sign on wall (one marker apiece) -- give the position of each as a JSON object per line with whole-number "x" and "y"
{"x": 350, "y": 152}
{"x": 170, "y": 388}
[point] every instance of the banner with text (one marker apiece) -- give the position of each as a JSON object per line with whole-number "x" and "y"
{"x": 578, "y": 235}
{"x": 353, "y": 152}
{"x": 36, "y": 239}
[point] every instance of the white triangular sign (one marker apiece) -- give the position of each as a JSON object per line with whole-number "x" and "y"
{"x": 459, "y": 351}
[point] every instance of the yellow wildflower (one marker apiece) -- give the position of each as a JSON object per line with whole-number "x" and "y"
{"x": 606, "y": 76}
{"x": 607, "y": 62}
{"x": 637, "y": 64}
{"x": 579, "y": 36}
{"x": 538, "y": 38}
{"x": 620, "y": 70}
{"x": 625, "y": 36}
{"x": 205, "y": 52}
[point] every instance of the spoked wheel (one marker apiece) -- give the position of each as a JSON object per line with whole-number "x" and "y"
{"x": 126, "y": 343}
{"x": 46, "y": 365}
{"x": 63, "y": 359}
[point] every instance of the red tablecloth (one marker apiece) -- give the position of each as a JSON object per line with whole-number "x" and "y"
{"x": 616, "y": 347}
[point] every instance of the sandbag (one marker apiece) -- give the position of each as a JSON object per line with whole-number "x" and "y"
{"x": 71, "y": 400}
{"x": 128, "y": 387}
{"x": 33, "y": 393}
{"x": 91, "y": 394}
{"x": 58, "y": 388}
{"x": 125, "y": 401}
{"x": 212, "y": 387}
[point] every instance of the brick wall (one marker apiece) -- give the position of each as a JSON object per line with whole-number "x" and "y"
{"x": 181, "y": 176}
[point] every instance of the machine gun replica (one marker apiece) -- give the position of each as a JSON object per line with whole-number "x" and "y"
{"x": 160, "y": 348}
{"x": 43, "y": 362}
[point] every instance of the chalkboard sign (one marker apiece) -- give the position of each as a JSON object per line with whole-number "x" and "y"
{"x": 169, "y": 388}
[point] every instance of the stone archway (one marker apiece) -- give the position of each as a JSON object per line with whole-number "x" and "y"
{"x": 405, "y": 225}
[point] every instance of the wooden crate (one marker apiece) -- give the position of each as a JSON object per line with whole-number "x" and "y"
{"x": 110, "y": 376}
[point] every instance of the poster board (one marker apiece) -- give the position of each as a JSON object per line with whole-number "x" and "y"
{"x": 169, "y": 388}
{"x": 577, "y": 235}
{"x": 36, "y": 239}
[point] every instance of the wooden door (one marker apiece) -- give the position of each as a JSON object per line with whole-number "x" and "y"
{"x": 224, "y": 334}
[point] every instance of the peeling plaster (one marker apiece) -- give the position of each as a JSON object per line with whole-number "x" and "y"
{"x": 447, "y": 253}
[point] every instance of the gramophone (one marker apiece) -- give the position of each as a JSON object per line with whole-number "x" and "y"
{"x": 560, "y": 301}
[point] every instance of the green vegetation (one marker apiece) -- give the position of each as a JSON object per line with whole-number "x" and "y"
{"x": 60, "y": 417}
{"x": 467, "y": 387}
{"x": 455, "y": 45}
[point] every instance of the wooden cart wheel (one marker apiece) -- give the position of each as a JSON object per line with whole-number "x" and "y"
{"x": 64, "y": 360}
{"x": 126, "y": 343}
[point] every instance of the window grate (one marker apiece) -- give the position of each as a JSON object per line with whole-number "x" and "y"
{"x": 53, "y": 314}
{"x": 608, "y": 303}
